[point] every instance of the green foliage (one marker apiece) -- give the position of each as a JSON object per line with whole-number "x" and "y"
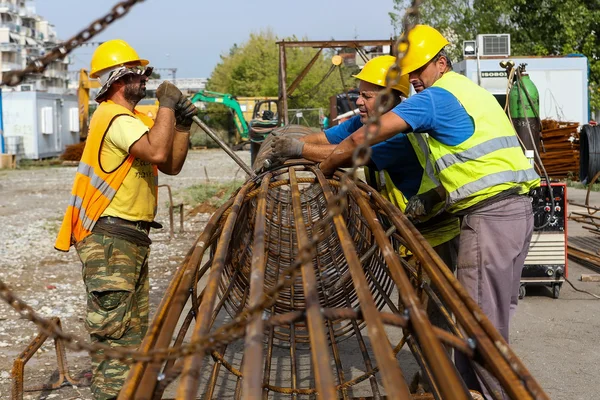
{"x": 213, "y": 194}
{"x": 26, "y": 163}
{"x": 252, "y": 69}
{"x": 537, "y": 27}
{"x": 579, "y": 185}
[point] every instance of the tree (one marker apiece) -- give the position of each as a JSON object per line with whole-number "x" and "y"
{"x": 252, "y": 69}
{"x": 537, "y": 27}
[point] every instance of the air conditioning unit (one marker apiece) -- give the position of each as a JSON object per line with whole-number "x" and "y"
{"x": 493, "y": 45}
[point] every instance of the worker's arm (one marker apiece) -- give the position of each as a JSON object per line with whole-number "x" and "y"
{"x": 317, "y": 152}
{"x": 390, "y": 125}
{"x": 156, "y": 146}
{"x": 184, "y": 111}
{"x": 176, "y": 158}
{"x": 316, "y": 147}
{"x": 315, "y": 138}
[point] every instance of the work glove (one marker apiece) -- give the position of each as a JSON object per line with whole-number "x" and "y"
{"x": 168, "y": 95}
{"x": 421, "y": 205}
{"x": 286, "y": 147}
{"x": 185, "y": 110}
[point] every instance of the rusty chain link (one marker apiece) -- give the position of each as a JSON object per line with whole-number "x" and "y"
{"x": 236, "y": 327}
{"x": 13, "y": 78}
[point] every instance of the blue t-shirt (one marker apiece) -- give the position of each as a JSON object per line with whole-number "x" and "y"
{"x": 439, "y": 113}
{"x": 396, "y": 155}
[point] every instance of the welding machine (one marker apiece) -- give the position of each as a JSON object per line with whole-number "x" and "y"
{"x": 546, "y": 262}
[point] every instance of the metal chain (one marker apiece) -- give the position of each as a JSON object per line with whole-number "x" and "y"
{"x": 236, "y": 327}
{"x": 39, "y": 65}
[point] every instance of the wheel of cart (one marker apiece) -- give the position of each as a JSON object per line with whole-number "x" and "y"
{"x": 522, "y": 291}
{"x": 556, "y": 290}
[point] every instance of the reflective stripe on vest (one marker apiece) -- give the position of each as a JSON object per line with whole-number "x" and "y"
{"x": 477, "y": 151}
{"x": 97, "y": 182}
{"x": 488, "y": 162}
{"x": 491, "y": 180}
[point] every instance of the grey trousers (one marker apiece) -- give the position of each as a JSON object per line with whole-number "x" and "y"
{"x": 494, "y": 241}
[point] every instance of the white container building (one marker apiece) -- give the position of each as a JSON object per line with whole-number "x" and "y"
{"x": 39, "y": 125}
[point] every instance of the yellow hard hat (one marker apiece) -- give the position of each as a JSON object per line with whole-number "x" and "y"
{"x": 376, "y": 70}
{"x": 112, "y": 54}
{"x": 425, "y": 42}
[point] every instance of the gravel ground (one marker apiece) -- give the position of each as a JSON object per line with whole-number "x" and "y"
{"x": 557, "y": 339}
{"x": 32, "y": 203}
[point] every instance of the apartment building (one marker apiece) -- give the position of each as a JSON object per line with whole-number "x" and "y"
{"x": 25, "y": 36}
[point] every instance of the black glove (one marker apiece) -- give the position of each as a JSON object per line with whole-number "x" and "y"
{"x": 421, "y": 205}
{"x": 168, "y": 95}
{"x": 185, "y": 110}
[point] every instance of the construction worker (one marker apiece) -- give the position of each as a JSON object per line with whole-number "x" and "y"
{"x": 114, "y": 200}
{"x": 483, "y": 171}
{"x": 403, "y": 160}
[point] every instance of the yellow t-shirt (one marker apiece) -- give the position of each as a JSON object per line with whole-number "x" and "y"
{"x": 135, "y": 199}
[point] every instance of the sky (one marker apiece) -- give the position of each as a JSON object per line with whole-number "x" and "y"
{"x": 190, "y": 35}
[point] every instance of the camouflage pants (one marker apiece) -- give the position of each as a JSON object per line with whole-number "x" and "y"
{"x": 115, "y": 273}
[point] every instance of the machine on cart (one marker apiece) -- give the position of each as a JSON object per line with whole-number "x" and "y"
{"x": 546, "y": 263}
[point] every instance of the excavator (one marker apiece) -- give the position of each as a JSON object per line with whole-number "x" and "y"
{"x": 228, "y": 100}
{"x": 264, "y": 118}
{"x": 83, "y": 98}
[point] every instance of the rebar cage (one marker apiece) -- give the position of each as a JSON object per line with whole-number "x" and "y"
{"x": 249, "y": 316}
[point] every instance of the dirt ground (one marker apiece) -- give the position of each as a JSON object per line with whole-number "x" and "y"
{"x": 557, "y": 339}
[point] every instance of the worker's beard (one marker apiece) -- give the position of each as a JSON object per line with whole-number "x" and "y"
{"x": 134, "y": 92}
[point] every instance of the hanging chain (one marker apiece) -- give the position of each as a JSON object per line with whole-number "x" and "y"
{"x": 236, "y": 327}
{"x": 39, "y": 65}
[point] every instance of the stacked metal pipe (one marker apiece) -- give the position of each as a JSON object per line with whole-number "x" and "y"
{"x": 560, "y": 149}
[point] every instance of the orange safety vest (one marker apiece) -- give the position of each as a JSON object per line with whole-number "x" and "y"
{"x": 93, "y": 188}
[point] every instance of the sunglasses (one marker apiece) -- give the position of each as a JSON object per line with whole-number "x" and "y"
{"x": 130, "y": 71}
{"x": 141, "y": 70}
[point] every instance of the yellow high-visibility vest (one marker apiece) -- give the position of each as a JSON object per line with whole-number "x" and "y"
{"x": 491, "y": 160}
{"x": 93, "y": 188}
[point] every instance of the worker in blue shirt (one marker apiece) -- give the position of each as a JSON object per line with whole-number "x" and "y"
{"x": 484, "y": 173}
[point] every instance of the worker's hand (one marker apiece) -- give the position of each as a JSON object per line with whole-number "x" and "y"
{"x": 168, "y": 95}
{"x": 325, "y": 171}
{"x": 421, "y": 205}
{"x": 184, "y": 111}
{"x": 286, "y": 147}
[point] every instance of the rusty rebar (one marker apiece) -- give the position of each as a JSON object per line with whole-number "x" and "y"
{"x": 278, "y": 314}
